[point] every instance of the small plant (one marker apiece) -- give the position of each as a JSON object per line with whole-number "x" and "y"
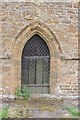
{"x": 24, "y": 92}
{"x": 4, "y": 112}
{"x": 73, "y": 111}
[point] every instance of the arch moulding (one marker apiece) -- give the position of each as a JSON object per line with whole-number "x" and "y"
{"x": 52, "y": 43}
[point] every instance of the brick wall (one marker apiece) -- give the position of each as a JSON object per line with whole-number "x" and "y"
{"x": 61, "y": 18}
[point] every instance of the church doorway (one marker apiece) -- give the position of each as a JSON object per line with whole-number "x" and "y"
{"x": 35, "y": 66}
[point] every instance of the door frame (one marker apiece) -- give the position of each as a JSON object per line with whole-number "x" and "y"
{"x": 55, "y": 52}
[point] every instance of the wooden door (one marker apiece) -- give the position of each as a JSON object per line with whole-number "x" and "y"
{"x": 35, "y": 66}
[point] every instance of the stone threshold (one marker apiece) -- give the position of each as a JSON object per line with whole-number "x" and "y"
{"x": 50, "y": 96}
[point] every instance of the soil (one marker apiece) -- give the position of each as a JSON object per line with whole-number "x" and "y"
{"x": 39, "y": 108}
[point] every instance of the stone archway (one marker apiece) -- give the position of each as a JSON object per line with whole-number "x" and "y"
{"x": 52, "y": 43}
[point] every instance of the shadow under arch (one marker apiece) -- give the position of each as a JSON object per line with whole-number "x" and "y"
{"x": 55, "y": 51}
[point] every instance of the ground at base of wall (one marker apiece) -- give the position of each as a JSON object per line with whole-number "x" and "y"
{"x": 40, "y": 107}
{"x": 51, "y": 96}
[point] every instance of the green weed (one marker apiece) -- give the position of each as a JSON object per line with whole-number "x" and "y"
{"x": 24, "y": 92}
{"x": 73, "y": 111}
{"x": 4, "y": 112}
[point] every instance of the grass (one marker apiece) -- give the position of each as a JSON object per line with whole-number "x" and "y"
{"x": 73, "y": 111}
{"x": 4, "y": 112}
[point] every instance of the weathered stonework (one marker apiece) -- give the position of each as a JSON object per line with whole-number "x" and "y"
{"x": 56, "y": 23}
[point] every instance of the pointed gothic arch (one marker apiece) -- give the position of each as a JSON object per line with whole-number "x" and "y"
{"x": 55, "y": 51}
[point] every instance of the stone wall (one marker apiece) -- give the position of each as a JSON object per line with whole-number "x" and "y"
{"x": 61, "y": 18}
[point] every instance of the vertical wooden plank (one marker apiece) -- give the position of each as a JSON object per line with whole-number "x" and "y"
{"x": 31, "y": 71}
{"x": 39, "y": 71}
{"x": 32, "y": 90}
{"x": 45, "y": 90}
{"x": 39, "y": 90}
{"x": 46, "y": 71}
